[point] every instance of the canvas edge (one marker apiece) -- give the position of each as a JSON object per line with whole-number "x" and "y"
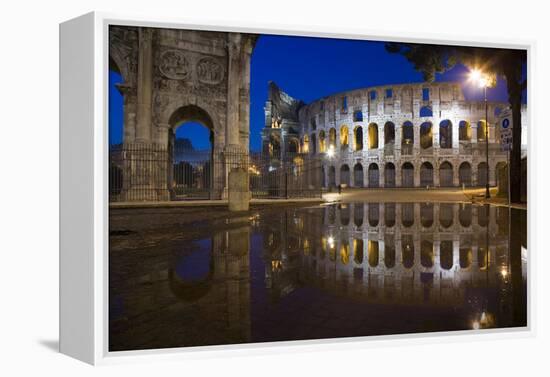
{"x": 101, "y": 354}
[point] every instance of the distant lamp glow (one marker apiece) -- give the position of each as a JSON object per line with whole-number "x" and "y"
{"x": 330, "y": 151}
{"x": 504, "y": 272}
{"x": 331, "y": 242}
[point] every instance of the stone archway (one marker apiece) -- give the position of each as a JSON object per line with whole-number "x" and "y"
{"x": 184, "y": 75}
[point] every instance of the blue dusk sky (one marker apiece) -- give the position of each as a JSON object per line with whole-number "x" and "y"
{"x": 309, "y": 68}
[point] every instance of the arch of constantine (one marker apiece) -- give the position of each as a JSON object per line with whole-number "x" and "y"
{"x": 171, "y": 77}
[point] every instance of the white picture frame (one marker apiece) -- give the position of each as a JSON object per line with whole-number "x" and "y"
{"x": 84, "y": 190}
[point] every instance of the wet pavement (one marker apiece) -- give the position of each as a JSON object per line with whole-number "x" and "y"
{"x": 192, "y": 277}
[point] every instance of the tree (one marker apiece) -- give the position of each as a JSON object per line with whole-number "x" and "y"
{"x": 508, "y": 63}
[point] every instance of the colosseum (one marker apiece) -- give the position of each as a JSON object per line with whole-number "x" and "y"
{"x": 409, "y": 135}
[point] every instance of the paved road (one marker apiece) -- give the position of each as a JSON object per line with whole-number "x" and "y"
{"x": 400, "y": 195}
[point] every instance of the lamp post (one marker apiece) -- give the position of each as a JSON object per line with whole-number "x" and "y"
{"x": 482, "y": 80}
{"x": 487, "y": 194}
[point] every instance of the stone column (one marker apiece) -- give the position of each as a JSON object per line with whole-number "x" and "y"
{"x": 144, "y": 85}
{"x": 233, "y": 84}
{"x": 381, "y": 137}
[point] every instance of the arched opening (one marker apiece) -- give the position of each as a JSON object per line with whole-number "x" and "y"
{"x": 293, "y": 145}
{"x": 426, "y": 174}
{"x": 465, "y": 174}
{"x": 322, "y": 142}
{"x": 191, "y": 140}
{"x": 407, "y": 250}
{"x": 483, "y": 215}
{"x": 305, "y": 145}
{"x": 446, "y": 254}
{"x": 358, "y": 175}
{"x": 465, "y": 257}
{"x": 344, "y": 175}
{"x": 389, "y": 214}
{"x": 374, "y": 175}
{"x": 426, "y": 111}
{"x": 389, "y": 175}
{"x": 358, "y": 214}
{"x": 332, "y": 176}
{"x": 332, "y": 138}
{"x": 389, "y": 251}
{"x": 481, "y": 130}
{"x": 446, "y": 215}
{"x": 389, "y": 134}
{"x": 482, "y": 174}
{"x": 344, "y": 252}
{"x": 372, "y": 253}
{"x": 446, "y": 174}
{"x": 464, "y": 131}
{"x": 407, "y": 214}
{"x": 344, "y": 134}
{"x": 274, "y": 146}
{"x": 465, "y": 215}
{"x": 427, "y": 214}
{"x": 313, "y": 147}
{"x": 407, "y": 175}
{"x": 445, "y": 134}
{"x": 344, "y": 214}
{"x": 407, "y": 138}
{"x": 358, "y": 251}
{"x": 372, "y": 136}
{"x": 501, "y": 173}
{"x": 426, "y": 136}
{"x": 373, "y": 214}
{"x": 482, "y": 258}
{"x": 427, "y": 254}
{"x": 358, "y": 136}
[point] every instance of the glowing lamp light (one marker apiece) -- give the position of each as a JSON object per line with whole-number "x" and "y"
{"x": 331, "y": 241}
{"x": 479, "y": 78}
{"x": 330, "y": 151}
{"x": 504, "y": 272}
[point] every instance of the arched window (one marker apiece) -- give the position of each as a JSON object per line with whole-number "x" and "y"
{"x": 389, "y": 175}
{"x": 344, "y": 134}
{"x": 426, "y": 136}
{"x": 426, "y": 111}
{"x": 322, "y": 142}
{"x": 407, "y": 214}
{"x": 358, "y": 251}
{"x": 464, "y": 131}
{"x": 373, "y": 253}
{"x": 446, "y": 174}
{"x": 344, "y": 175}
{"x": 374, "y": 175}
{"x": 389, "y": 214}
{"x": 445, "y": 134}
{"x": 358, "y": 214}
{"x": 358, "y": 175}
{"x": 427, "y": 254}
{"x": 446, "y": 215}
{"x": 465, "y": 174}
{"x": 373, "y": 136}
{"x": 407, "y": 138}
{"x": 426, "y": 174}
{"x": 332, "y": 176}
{"x": 407, "y": 175}
{"x": 389, "y": 133}
{"x": 407, "y": 250}
{"x": 446, "y": 254}
{"x": 482, "y": 174}
{"x": 427, "y": 214}
{"x": 305, "y": 146}
{"x": 358, "y": 136}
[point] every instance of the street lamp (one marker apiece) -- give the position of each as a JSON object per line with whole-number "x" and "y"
{"x": 481, "y": 79}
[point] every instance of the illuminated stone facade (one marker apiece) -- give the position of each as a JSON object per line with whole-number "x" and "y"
{"x": 411, "y": 135}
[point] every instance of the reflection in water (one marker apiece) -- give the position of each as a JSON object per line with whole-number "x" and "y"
{"x": 316, "y": 273}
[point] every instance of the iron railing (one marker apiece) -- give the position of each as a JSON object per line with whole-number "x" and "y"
{"x": 139, "y": 172}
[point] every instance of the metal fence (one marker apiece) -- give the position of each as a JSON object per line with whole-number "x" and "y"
{"x": 153, "y": 173}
